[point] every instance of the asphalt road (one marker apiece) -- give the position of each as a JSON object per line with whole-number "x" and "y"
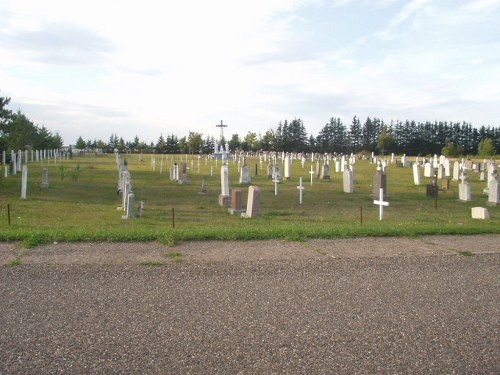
{"x": 395, "y": 315}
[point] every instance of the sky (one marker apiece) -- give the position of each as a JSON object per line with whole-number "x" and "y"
{"x": 97, "y": 68}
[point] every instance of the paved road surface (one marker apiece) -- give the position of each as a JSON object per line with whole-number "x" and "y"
{"x": 428, "y": 314}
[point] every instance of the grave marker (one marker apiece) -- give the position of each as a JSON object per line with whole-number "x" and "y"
{"x": 301, "y": 190}
{"x": 380, "y": 202}
{"x": 253, "y": 203}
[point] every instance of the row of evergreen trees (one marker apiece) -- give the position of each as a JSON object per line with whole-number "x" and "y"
{"x": 374, "y": 135}
{"x": 409, "y": 137}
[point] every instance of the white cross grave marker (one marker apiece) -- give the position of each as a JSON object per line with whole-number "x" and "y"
{"x": 301, "y": 189}
{"x": 312, "y": 174}
{"x": 381, "y": 204}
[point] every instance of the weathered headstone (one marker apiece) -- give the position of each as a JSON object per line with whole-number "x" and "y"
{"x": 129, "y": 213}
{"x": 45, "y": 178}
{"x": 379, "y": 182}
{"x": 325, "y": 172}
{"x": 348, "y": 182}
{"x": 245, "y": 175}
{"x": 236, "y": 202}
{"x": 494, "y": 191}
{"x": 253, "y": 203}
{"x": 464, "y": 188}
{"x": 224, "y": 197}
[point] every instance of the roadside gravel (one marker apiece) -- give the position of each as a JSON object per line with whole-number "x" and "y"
{"x": 361, "y": 306}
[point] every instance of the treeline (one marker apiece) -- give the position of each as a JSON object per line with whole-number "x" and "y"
{"x": 18, "y": 132}
{"x": 374, "y": 135}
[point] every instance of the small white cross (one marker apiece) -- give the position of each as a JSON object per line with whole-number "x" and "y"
{"x": 301, "y": 189}
{"x": 312, "y": 174}
{"x": 381, "y": 204}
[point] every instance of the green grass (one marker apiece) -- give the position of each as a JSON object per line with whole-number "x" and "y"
{"x": 15, "y": 262}
{"x": 152, "y": 263}
{"x": 175, "y": 256}
{"x": 466, "y": 253}
{"x": 83, "y": 206}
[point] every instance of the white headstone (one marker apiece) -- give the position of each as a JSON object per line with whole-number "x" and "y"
{"x": 348, "y": 182}
{"x": 480, "y": 213}
{"x": 416, "y": 174}
{"x": 24, "y": 181}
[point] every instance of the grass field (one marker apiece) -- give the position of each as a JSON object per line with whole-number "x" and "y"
{"x": 81, "y": 203}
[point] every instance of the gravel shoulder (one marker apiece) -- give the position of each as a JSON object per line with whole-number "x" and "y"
{"x": 248, "y": 251}
{"x": 428, "y": 305}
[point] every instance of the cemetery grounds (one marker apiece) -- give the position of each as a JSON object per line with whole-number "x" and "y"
{"x": 81, "y": 204}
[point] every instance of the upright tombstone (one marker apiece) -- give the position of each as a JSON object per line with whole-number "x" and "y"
{"x": 494, "y": 191}
{"x": 245, "y": 177}
{"x": 253, "y": 203}
{"x": 288, "y": 167}
{"x": 325, "y": 171}
{"x": 45, "y": 178}
{"x": 185, "y": 178}
{"x": 428, "y": 170}
{"x": 129, "y": 208}
{"x": 348, "y": 181}
{"x": 24, "y": 181}
{"x": 236, "y": 202}
{"x": 379, "y": 182}
{"x": 464, "y": 188}
{"x": 224, "y": 197}
{"x": 416, "y": 174}
{"x": 456, "y": 171}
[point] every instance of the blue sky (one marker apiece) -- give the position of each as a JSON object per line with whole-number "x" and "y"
{"x": 96, "y": 68}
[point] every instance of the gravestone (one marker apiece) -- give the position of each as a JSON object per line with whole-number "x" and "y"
{"x": 428, "y": 170}
{"x": 440, "y": 172}
{"x": 379, "y": 182}
{"x": 253, "y": 203}
{"x": 464, "y": 188}
{"x": 381, "y": 204}
{"x": 129, "y": 211}
{"x": 45, "y": 178}
{"x": 493, "y": 191}
{"x": 348, "y": 181}
{"x": 432, "y": 189}
{"x": 456, "y": 171}
{"x": 236, "y": 202}
{"x": 301, "y": 190}
{"x": 185, "y": 179}
{"x": 288, "y": 167}
{"x": 416, "y": 174}
{"x": 245, "y": 175}
{"x": 325, "y": 172}
{"x": 24, "y": 181}
{"x": 480, "y": 213}
{"x": 224, "y": 197}
{"x": 203, "y": 190}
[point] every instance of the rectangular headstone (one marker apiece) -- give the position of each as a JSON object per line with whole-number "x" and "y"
{"x": 253, "y": 203}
